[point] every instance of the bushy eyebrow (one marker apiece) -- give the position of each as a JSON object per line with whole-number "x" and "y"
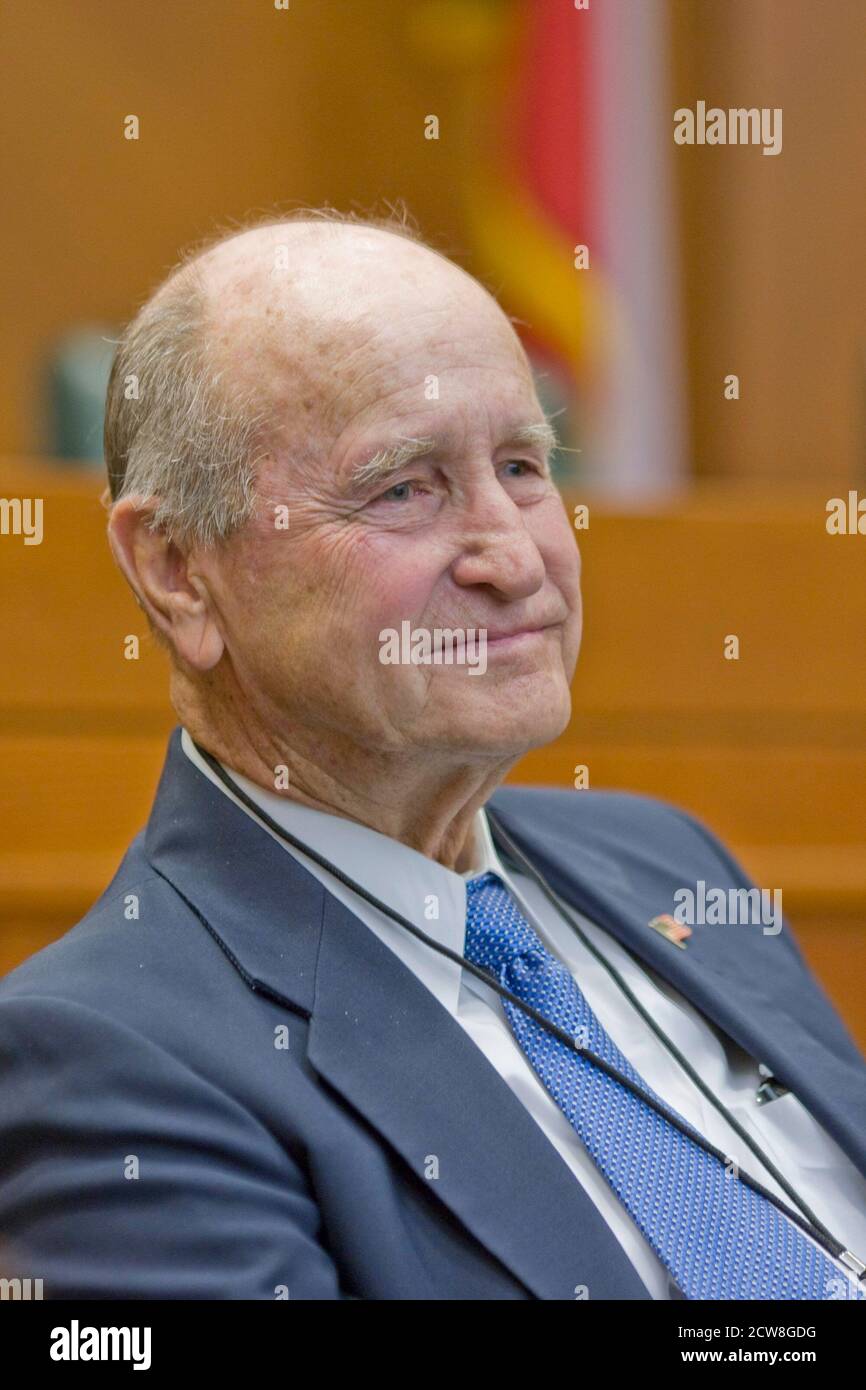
{"x": 541, "y": 435}
{"x": 391, "y": 459}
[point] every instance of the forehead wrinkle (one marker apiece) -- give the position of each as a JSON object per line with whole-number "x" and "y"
{"x": 284, "y": 343}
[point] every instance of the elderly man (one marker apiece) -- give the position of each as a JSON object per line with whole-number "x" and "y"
{"x": 349, "y": 1021}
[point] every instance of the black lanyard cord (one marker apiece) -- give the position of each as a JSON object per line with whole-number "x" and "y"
{"x": 811, "y": 1226}
{"x": 528, "y": 867}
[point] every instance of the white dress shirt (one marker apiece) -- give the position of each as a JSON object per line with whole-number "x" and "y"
{"x": 809, "y": 1158}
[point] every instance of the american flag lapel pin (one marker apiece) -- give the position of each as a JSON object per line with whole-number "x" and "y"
{"x": 672, "y": 930}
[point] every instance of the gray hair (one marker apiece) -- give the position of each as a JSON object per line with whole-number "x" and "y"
{"x": 176, "y": 431}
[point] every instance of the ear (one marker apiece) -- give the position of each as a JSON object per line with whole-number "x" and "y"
{"x": 156, "y": 570}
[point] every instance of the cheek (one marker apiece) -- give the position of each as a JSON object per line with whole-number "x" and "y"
{"x": 569, "y": 566}
{"x": 398, "y": 577}
{"x": 557, "y": 545}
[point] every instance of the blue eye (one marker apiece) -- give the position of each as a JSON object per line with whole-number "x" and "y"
{"x": 390, "y": 496}
{"x": 392, "y": 491}
{"x": 527, "y": 469}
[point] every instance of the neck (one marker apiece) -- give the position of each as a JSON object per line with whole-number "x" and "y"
{"x": 426, "y": 802}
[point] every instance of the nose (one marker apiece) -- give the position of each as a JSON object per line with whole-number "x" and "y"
{"x": 496, "y": 548}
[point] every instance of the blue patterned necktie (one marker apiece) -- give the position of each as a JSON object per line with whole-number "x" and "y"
{"x": 718, "y": 1237}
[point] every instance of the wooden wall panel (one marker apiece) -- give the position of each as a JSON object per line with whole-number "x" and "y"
{"x": 774, "y": 275}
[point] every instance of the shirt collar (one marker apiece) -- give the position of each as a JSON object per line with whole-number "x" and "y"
{"x": 408, "y": 881}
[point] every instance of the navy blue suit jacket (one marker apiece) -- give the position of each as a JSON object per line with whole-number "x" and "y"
{"x": 156, "y": 1140}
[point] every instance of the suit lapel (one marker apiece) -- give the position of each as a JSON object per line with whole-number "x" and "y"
{"x": 384, "y": 1042}
{"x": 389, "y": 1047}
{"x": 755, "y": 989}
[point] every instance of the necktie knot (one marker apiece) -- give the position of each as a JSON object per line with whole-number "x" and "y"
{"x": 499, "y": 937}
{"x": 485, "y": 880}
{"x": 495, "y": 927}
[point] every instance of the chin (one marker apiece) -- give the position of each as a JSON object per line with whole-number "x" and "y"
{"x": 509, "y": 722}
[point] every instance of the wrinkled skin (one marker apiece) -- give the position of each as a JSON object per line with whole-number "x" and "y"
{"x": 274, "y": 633}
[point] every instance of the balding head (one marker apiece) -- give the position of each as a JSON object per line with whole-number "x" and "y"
{"x": 294, "y": 308}
{"x": 251, "y": 346}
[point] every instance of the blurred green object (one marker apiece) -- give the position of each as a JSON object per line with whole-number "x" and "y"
{"x": 78, "y": 370}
